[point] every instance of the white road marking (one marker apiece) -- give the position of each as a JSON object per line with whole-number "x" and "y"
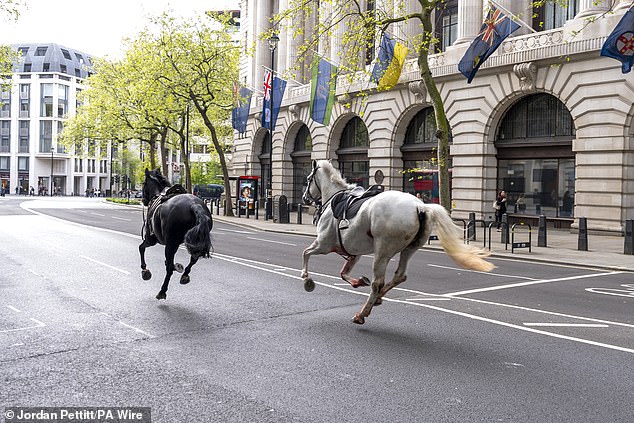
{"x": 14, "y": 309}
{"x": 104, "y": 264}
{"x": 98, "y": 214}
{"x": 274, "y": 242}
{"x": 120, "y": 218}
{"x": 37, "y": 322}
{"x": 233, "y": 231}
{"x": 34, "y": 272}
{"x": 567, "y": 325}
{"x": 534, "y": 282}
{"x": 428, "y": 299}
{"x": 122, "y": 323}
{"x": 261, "y": 266}
{"x": 484, "y": 273}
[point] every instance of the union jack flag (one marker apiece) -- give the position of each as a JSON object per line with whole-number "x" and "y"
{"x": 268, "y": 75}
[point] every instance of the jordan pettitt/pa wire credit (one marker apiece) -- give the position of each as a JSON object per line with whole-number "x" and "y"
{"x": 77, "y": 414}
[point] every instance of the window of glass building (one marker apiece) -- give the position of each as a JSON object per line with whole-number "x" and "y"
{"x": 46, "y": 100}
{"x": 46, "y": 136}
{"x": 23, "y": 164}
{"x": 5, "y": 136}
{"x": 24, "y": 137}
{"x": 41, "y": 51}
{"x": 62, "y": 100}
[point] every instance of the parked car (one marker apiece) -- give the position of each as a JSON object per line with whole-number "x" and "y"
{"x": 209, "y": 192}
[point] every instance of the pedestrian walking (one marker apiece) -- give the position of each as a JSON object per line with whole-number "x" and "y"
{"x": 500, "y": 208}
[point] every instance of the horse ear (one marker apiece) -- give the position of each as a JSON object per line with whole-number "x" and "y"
{"x": 158, "y": 170}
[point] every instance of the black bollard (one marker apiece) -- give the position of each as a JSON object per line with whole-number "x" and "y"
{"x": 504, "y": 239}
{"x": 299, "y": 213}
{"x": 542, "y": 235}
{"x": 471, "y": 228}
{"x": 582, "y": 244}
{"x": 629, "y": 241}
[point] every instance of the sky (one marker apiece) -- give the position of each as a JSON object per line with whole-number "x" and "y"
{"x": 95, "y": 27}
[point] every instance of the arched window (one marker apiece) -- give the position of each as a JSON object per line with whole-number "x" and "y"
{"x": 536, "y": 164}
{"x": 301, "y": 162}
{"x": 353, "y": 152}
{"x": 536, "y": 116}
{"x": 422, "y": 129}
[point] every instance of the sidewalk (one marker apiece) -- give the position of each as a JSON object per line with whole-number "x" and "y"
{"x": 604, "y": 252}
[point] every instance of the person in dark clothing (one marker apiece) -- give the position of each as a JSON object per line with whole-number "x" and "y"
{"x": 500, "y": 209}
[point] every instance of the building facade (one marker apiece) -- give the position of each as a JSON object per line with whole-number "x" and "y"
{"x": 43, "y": 93}
{"x": 546, "y": 118}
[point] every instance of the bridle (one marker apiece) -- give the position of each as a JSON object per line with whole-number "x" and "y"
{"x": 307, "y": 194}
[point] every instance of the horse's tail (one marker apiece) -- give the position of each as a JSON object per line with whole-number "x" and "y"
{"x": 197, "y": 239}
{"x": 450, "y": 237}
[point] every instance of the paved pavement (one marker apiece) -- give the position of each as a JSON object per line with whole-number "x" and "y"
{"x": 604, "y": 251}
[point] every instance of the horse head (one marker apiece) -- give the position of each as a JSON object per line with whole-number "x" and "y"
{"x": 153, "y": 185}
{"x": 324, "y": 181}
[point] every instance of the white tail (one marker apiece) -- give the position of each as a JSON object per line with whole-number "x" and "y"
{"x": 450, "y": 236}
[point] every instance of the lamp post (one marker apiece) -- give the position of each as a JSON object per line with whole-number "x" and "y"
{"x": 51, "y": 191}
{"x": 273, "y": 41}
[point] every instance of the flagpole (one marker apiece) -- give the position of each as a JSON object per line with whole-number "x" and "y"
{"x": 512, "y": 16}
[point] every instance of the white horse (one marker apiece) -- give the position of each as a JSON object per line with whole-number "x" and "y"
{"x": 389, "y": 223}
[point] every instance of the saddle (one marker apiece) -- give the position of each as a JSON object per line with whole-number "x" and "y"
{"x": 346, "y": 204}
{"x": 157, "y": 201}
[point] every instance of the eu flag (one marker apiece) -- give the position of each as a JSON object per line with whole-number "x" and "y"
{"x": 322, "y": 90}
{"x": 389, "y": 64}
{"x": 240, "y": 112}
{"x": 620, "y": 43}
{"x": 496, "y": 27}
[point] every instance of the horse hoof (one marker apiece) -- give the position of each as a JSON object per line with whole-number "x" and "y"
{"x": 358, "y": 319}
{"x": 378, "y": 301}
{"x": 185, "y": 279}
{"x": 161, "y": 296}
{"x": 309, "y": 285}
{"x": 146, "y": 274}
{"x": 364, "y": 281}
{"x": 178, "y": 267}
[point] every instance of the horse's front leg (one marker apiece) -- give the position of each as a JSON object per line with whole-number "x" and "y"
{"x": 185, "y": 276}
{"x": 147, "y": 242}
{"x": 347, "y": 268}
{"x": 380, "y": 265}
{"x": 314, "y": 248}
{"x": 170, "y": 252}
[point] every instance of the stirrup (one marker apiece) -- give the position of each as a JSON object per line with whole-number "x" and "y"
{"x": 344, "y": 224}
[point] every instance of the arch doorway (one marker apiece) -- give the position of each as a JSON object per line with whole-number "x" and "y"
{"x": 536, "y": 164}
{"x": 301, "y": 157}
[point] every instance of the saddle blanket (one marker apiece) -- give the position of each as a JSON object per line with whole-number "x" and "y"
{"x": 346, "y": 204}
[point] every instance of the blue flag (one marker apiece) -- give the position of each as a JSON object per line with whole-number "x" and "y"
{"x": 496, "y": 27}
{"x": 620, "y": 43}
{"x": 323, "y": 85}
{"x": 240, "y": 113}
{"x": 273, "y": 89}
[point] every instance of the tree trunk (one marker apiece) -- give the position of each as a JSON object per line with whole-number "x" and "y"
{"x": 442, "y": 133}
{"x": 221, "y": 156}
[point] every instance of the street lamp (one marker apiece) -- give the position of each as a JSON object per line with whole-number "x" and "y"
{"x": 51, "y": 191}
{"x": 273, "y": 41}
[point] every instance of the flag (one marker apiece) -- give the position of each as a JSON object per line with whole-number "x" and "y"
{"x": 273, "y": 86}
{"x": 620, "y": 43}
{"x": 496, "y": 27}
{"x": 241, "y": 109}
{"x": 390, "y": 61}
{"x": 322, "y": 90}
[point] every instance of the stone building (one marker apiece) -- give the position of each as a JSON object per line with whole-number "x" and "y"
{"x": 546, "y": 118}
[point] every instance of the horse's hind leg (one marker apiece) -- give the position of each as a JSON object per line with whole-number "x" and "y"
{"x": 399, "y": 274}
{"x": 185, "y": 276}
{"x": 170, "y": 252}
{"x": 347, "y": 268}
{"x": 380, "y": 265}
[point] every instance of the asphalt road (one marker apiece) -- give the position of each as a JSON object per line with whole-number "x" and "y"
{"x": 243, "y": 342}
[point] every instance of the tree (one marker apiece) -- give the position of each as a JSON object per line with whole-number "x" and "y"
{"x": 200, "y": 65}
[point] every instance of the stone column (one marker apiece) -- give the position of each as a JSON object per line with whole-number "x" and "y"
{"x": 262, "y": 52}
{"x": 592, "y": 7}
{"x": 470, "y": 17}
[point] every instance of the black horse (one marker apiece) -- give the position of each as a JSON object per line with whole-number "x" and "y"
{"x": 173, "y": 217}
